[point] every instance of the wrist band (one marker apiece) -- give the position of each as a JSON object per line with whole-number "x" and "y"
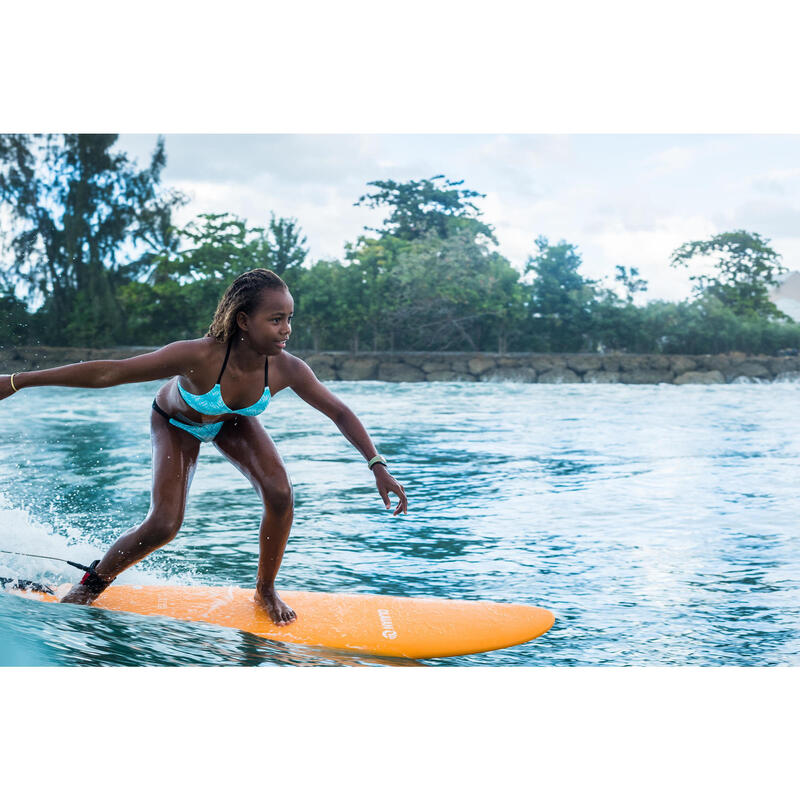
{"x": 12, "y": 382}
{"x": 376, "y": 460}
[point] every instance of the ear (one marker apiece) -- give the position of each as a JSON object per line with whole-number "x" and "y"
{"x": 241, "y": 320}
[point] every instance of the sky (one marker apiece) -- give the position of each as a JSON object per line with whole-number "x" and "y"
{"x": 627, "y": 199}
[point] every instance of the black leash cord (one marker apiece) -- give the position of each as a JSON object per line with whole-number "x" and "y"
{"x": 51, "y": 558}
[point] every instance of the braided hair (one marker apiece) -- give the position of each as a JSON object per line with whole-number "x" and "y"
{"x": 242, "y": 295}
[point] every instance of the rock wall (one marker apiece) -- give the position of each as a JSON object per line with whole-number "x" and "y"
{"x": 524, "y": 367}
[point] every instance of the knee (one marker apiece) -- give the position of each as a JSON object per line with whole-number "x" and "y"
{"x": 160, "y": 529}
{"x": 278, "y": 497}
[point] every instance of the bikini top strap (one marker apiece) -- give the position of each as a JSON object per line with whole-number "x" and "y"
{"x": 225, "y": 362}
{"x": 266, "y": 372}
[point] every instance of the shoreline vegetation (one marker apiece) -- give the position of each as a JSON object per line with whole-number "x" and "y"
{"x": 92, "y": 257}
{"x": 553, "y": 368}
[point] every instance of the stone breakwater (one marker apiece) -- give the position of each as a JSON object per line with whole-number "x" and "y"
{"x": 626, "y": 368}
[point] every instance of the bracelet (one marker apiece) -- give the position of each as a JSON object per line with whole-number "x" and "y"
{"x": 12, "y": 382}
{"x": 376, "y": 460}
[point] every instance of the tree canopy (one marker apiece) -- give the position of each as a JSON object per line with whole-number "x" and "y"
{"x": 80, "y": 214}
{"x": 93, "y": 241}
{"x": 745, "y": 270}
{"x": 433, "y": 205}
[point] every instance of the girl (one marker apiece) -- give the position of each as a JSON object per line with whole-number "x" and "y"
{"x": 244, "y": 350}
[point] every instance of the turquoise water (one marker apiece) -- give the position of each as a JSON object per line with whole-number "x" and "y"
{"x": 658, "y": 523}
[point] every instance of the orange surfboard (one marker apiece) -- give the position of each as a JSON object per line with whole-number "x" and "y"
{"x": 367, "y": 623}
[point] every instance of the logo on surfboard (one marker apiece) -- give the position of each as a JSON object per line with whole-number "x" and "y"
{"x": 386, "y": 623}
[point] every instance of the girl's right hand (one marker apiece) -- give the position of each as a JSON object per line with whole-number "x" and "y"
{"x": 5, "y": 387}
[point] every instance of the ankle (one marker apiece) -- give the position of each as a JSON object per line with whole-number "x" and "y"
{"x": 93, "y": 582}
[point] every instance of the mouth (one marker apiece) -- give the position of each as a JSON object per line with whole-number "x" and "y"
{"x": 282, "y": 342}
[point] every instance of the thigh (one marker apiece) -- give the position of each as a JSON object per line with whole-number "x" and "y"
{"x": 175, "y": 455}
{"x": 245, "y": 443}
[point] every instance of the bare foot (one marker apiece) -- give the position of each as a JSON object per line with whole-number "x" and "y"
{"x": 80, "y": 595}
{"x": 278, "y": 611}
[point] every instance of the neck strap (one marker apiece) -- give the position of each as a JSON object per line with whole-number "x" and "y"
{"x": 225, "y": 362}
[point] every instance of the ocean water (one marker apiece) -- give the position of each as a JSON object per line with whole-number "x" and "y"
{"x": 658, "y": 523}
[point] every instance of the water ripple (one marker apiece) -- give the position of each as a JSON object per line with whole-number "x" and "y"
{"x": 657, "y": 522}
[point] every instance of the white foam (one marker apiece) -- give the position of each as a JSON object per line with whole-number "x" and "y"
{"x": 788, "y": 377}
{"x": 22, "y": 533}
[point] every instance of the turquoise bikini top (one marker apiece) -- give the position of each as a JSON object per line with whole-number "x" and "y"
{"x": 211, "y": 403}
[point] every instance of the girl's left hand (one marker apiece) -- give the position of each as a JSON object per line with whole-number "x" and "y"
{"x": 386, "y": 483}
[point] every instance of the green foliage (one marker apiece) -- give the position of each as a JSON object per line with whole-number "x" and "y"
{"x": 14, "y": 318}
{"x": 372, "y": 286}
{"x": 93, "y": 238}
{"x": 185, "y": 285}
{"x": 323, "y": 309}
{"x": 82, "y": 216}
{"x": 427, "y": 206}
{"x": 630, "y": 281}
{"x": 222, "y": 246}
{"x": 746, "y": 268}
{"x": 560, "y": 298}
{"x": 452, "y": 292}
{"x": 286, "y": 245}
{"x": 709, "y": 326}
{"x": 690, "y": 327}
{"x": 168, "y": 311}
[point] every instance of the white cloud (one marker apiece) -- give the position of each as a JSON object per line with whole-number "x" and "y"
{"x": 650, "y": 252}
{"x": 698, "y": 152}
{"x": 671, "y": 159}
{"x": 620, "y": 200}
{"x": 326, "y": 214}
{"x": 769, "y": 217}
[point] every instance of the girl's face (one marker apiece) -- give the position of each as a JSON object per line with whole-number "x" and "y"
{"x": 270, "y": 324}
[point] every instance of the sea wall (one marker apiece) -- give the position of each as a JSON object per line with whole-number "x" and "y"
{"x": 525, "y": 367}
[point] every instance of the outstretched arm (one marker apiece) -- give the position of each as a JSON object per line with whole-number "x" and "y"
{"x": 305, "y": 384}
{"x": 170, "y": 360}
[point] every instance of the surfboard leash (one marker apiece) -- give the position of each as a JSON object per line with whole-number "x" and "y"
{"x": 90, "y": 577}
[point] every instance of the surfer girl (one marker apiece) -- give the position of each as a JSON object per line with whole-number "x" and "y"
{"x": 243, "y": 360}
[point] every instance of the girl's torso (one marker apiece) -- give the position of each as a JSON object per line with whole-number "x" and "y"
{"x": 239, "y": 391}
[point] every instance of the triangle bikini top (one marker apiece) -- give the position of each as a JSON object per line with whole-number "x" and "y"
{"x": 211, "y": 403}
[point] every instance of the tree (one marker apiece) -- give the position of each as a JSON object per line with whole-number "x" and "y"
{"x": 504, "y": 303}
{"x": 745, "y": 270}
{"x": 451, "y": 292}
{"x": 323, "y": 309}
{"x": 420, "y": 207}
{"x": 631, "y": 282}
{"x": 221, "y": 246}
{"x": 285, "y": 243}
{"x": 82, "y": 215}
{"x": 560, "y": 297}
{"x": 14, "y": 317}
{"x": 184, "y": 284}
{"x": 217, "y": 247}
{"x": 372, "y": 286}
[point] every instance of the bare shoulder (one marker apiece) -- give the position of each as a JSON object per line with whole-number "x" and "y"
{"x": 296, "y": 374}
{"x": 203, "y": 347}
{"x": 187, "y": 354}
{"x": 287, "y": 370}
